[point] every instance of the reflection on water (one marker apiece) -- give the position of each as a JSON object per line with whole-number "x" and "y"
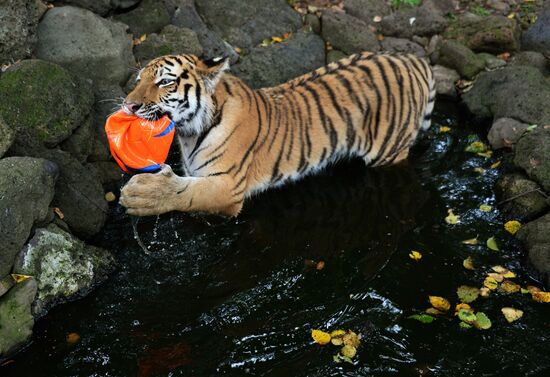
{"x": 215, "y": 296}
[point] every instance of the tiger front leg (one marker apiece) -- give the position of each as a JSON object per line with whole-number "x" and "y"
{"x": 154, "y": 194}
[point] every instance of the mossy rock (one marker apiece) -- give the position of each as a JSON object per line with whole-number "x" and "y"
{"x": 149, "y": 17}
{"x": 532, "y": 153}
{"x": 7, "y": 136}
{"x": 172, "y": 40}
{"x": 42, "y": 103}
{"x": 455, "y": 55}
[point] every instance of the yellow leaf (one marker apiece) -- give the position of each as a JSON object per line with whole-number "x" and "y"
{"x": 463, "y": 306}
{"x": 504, "y": 272}
{"x": 471, "y": 241}
{"x": 468, "y": 263}
{"x": 434, "y": 311}
{"x": 336, "y": 337}
{"x": 351, "y": 339}
{"x": 320, "y": 265}
{"x": 440, "y": 303}
{"x": 451, "y": 217}
{"x": 73, "y": 338}
{"x": 444, "y": 129}
{"x": 490, "y": 283}
{"x": 485, "y": 208}
{"x": 498, "y": 277}
{"x": 238, "y": 50}
{"x": 58, "y": 212}
{"x": 18, "y": 278}
{"x": 348, "y": 351}
{"x": 320, "y": 337}
{"x": 512, "y": 226}
{"x": 479, "y": 170}
{"x": 415, "y": 255}
{"x": 510, "y": 287}
{"x": 492, "y": 244}
{"x": 532, "y": 289}
{"x": 511, "y": 314}
{"x": 110, "y": 197}
{"x": 477, "y": 147}
{"x": 496, "y": 164}
{"x": 511, "y": 16}
{"x": 486, "y": 154}
{"x": 484, "y": 292}
{"x": 541, "y": 296}
{"x": 276, "y": 39}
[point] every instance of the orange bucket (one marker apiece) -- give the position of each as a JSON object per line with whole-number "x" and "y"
{"x": 139, "y": 145}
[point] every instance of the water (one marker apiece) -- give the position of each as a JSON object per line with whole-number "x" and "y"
{"x": 215, "y": 296}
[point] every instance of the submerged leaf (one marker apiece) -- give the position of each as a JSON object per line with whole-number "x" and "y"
{"x": 492, "y": 244}
{"x": 348, "y": 351}
{"x": 415, "y": 255}
{"x": 424, "y": 318}
{"x": 471, "y": 241}
{"x": 320, "y": 337}
{"x": 467, "y": 316}
{"x": 467, "y": 294}
{"x": 490, "y": 283}
{"x": 434, "y": 311}
{"x": 468, "y": 263}
{"x": 444, "y": 129}
{"x": 511, "y": 314}
{"x": 477, "y": 147}
{"x": 485, "y": 208}
{"x": 463, "y": 306}
{"x": 451, "y": 217}
{"x": 440, "y": 303}
{"x": 510, "y": 287}
{"x": 464, "y": 325}
{"x": 482, "y": 321}
{"x": 512, "y": 226}
{"x": 496, "y": 164}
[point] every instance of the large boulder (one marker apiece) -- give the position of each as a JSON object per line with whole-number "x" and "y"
{"x": 27, "y": 188}
{"x": 505, "y": 132}
{"x": 63, "y": 266}
{"x": 347, "y": 33}
{"x": 42, "y": 103}
{"x": 366, "y": 10}
{"x": 520, "y": 198}
{"x": 245, "y": 24}
{"x": 407, "y": 22}
{"x": 150, "y": 16}
{"x": 537, "y": 38}
{"x": 186, "y": 16}
{"x": 86, "y": 44}
{"x": 532, "y": 154}
{"x": 534, "y": 59}
{"x": 18, "y": 23}
{"x": 81, "y": 142}
{"x": 16, "y": 319}
{"x": 273, "y": 65}
{"x": 7, "y": 136}
{"x": 494, "y": 34}
{"x": 402, "y": 46}
{"x": 519, "y": 92}
{"x": 445, "y": 81}
{"x": 536, "y": 236}
{"x": 171, "y": 40}
{"x": 455, "y": 55}
{"x": 101, "y": 7}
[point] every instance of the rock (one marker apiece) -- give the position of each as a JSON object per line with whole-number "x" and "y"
{"x": 505, "y": 132}
{"x": 404, "y": 23}
{"x": 280, "y": 62}
{"x": 445, "y": 79}
{"x": 42, "y": 103}
{"x": 78, "y": 194}
{"x": 455, "y": 55}
{"x": 101, "y": 7}
{"x": 16, "y": 320}
{"x": 5, "y": 284}
{"x": 536, "y": 236}
{"x": 27, "y": 187}
{"x": 172, "y": 40}
{"x": 313, "y": 22}
{"x": 520, "y": 197}
{"x": 534, "y": 59}
{"x": 532, "y": 155}
{"x": 95, "y": 48}
{"x": 403, "y": 46}
{"x": 186, "y": 16}
{"x": 7, "y": 136}
{"x": 490, "y": 61}
{"x": 494, "y": 34}
{"x": 443, "y": 7}
{"x": 366, "y": 10}
{"x": 18, "y": 23}
{"x": 108, "y": 172}
{"x": 499, "y": 5}
{"x": 63, "y": 266}
{"x": 81, "y": 142}
{"x": 245, "y": 24}
{"x": 537, "y": 38}
{"x": 150, "y": 16}
{"x": 347, "y": 33}
{"x": 334, "y": 56}
{"x": 518, "y": 92}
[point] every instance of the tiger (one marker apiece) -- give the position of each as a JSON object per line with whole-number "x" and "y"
{"x": 236, "y": 141}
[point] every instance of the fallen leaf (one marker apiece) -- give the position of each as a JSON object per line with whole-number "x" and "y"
{"x": 276, "y": 39}
{"x": 336, "y": 337}
{"x": 377, "y": 19}
{"x": 471, "y": 241}
{"x": 477, "y": 147}
{"x": 512, "y": 226}
{"x": 498, "y": 277}
{"x": 440, "y": 303}
{"x": 18, "y": 278}
{"x": 415, "y": 255}
{"x": 424, "y": 318}
{"x": 541, "y": 296}
{"x": 352, "y": 339}
{"x": 484, "y": 292}
{"x": 482, "y": 321}
{"x": 492, "y": 244}
{"x": 510, "y": 287}
{"x": 238, "y": 50}
{"x": 467, "y": 316}
{"x": 511, "y": 16}
{"x": 524, "y": 291}
{"x": 511, "y": 314}
{"x": 479, "y": 170}
{"x": 486, "y": 154}
{"x": 532, "y": 289}
{"x": 320, "y": 337}
{"x": 467, "y": 294}
{"x": 433, "y": 311}
{"x": 58, "y": 212}
{"x": 348, "y": 351}
{"x": 495, "y": 164}
{"x": 468, "y": 263}
{"x": 490, "y": 283}
{"x": 485, "y": 208}
{"x": 532, "y": 127}
{"x": 451, "y": 217}
{"x": 462, "y": 306}
{"x": 444, "y": 129}
{"x": 464, "y": 325}
{"x": 110, "y": 197}
{"x": 73, "y": 338}
{"x": 320, "y": 265}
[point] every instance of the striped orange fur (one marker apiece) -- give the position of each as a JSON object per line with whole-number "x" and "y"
{"x": 236, "y": 141}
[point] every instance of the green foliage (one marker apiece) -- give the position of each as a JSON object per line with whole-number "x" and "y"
{"x": 398, "y": 3}
{"x": 479, "y": 10}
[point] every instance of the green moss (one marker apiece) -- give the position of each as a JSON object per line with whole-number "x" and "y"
{"x": 480, "y": 11}
{"x": 164, "y": 50}
{"x": 399, "y": 3}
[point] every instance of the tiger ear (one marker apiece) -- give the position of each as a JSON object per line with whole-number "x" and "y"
{"x": 212, "y": 71}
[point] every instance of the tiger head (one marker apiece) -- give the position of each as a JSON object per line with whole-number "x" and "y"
{"x": 179, "y": 86}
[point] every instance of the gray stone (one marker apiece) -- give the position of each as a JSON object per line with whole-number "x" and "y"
{"x": 334, "y": 56}
{"x": 27, "y": 187}
{"x": 534, "y": 59}
{"x": 186, "y": 16}
{"x": 81, "y": 142}
{"x": 443, "y": 7}
{"x": 16, "y": 320}
{"x": 402, "y": 45}
{"x": 313, "y": 22}
{"x": 94, "y": 48}
{"x": 18, "y": 23}
{"x": 245, "y": 24}
{"x": 5, "y": 284}
{"x": 454, "y": 55}
{"x": 537, "y": 38}
{"x": 42, "y": 103}
{"x": 520, "y": 198}
{"x": 101, "y": 7}
{"x": 172, "y": 40}
{"x": 532, "y": 154}
{"x": 494, "y": 34}
{"x": 491, "y": 61}
{"x": 108, "y": 172}
{"x": 150, "y": 16}
{"x": 445, "y": 80}
{"x": 280, "y": 62}
{"x": 404, "y": 23}
{"x": 7, "y": 136}
{"x": 499, "y": 5}
{"x": 518, "y": 92}
{"x": 505, "y": 132}
{"x": 536, "y": 236}
{"x": 63, "y": 266}
{"x": 347, "y": 33}
{"x": 366, "y": 10}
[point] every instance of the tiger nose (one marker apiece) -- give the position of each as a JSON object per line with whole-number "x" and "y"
{"x": 131, "y": 107}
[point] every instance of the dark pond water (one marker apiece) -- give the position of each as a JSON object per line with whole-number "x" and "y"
{"x": 234, "y": 297}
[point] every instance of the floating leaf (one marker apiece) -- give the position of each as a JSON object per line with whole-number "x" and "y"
{"x": 467, "y": 316}
{"x": 512, "y": 226}
{"x": 424, "y": 318}
{"x": 444, "y": 129}
{"x": 468, "y": 263}
{"x": 492, "y": 244}
{"x": 320, "y": 265}
{"x": 348, "y": 351}
{"x": 110, "y": 197}
{"x": 482, "y": 321}
{"x": 484, "y": 292}
{"x": 320, "y": 337}
{"x": 490, "y": 283}
{"x": 18, "y": 278}
{"x": 73, "y": 338}
{"x": 510, "y": 287}
{"x": 471, "y": 241}
{"x": 467, "y": 294}
{"x": 496, "y": 164}
{"x": 451, "y": 217}
{"x": 434, "y": 311}
{"x": 462, "y": 306}
{"x": 464, "y": 325}
{"x": 440, "y": 303}
{"x": 485, "y": 208}
{"x": 415, "y": 255}
{"x": 477, "y": 147}
{"x": 541, "y": 296}
{"x": 352, "y": 339}
{"x": 524, "y": 291}
{"x": 479, "y": 170}
{"x": 486, "y": 154}
{"x": 336, "y": 337}
{"x": 532, "y": 289}
{"x": 511, "y": 314}
{"x": 498, "y": 277}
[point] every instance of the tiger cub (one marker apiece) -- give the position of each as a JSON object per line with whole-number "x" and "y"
{"x": 236, "y": 141}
